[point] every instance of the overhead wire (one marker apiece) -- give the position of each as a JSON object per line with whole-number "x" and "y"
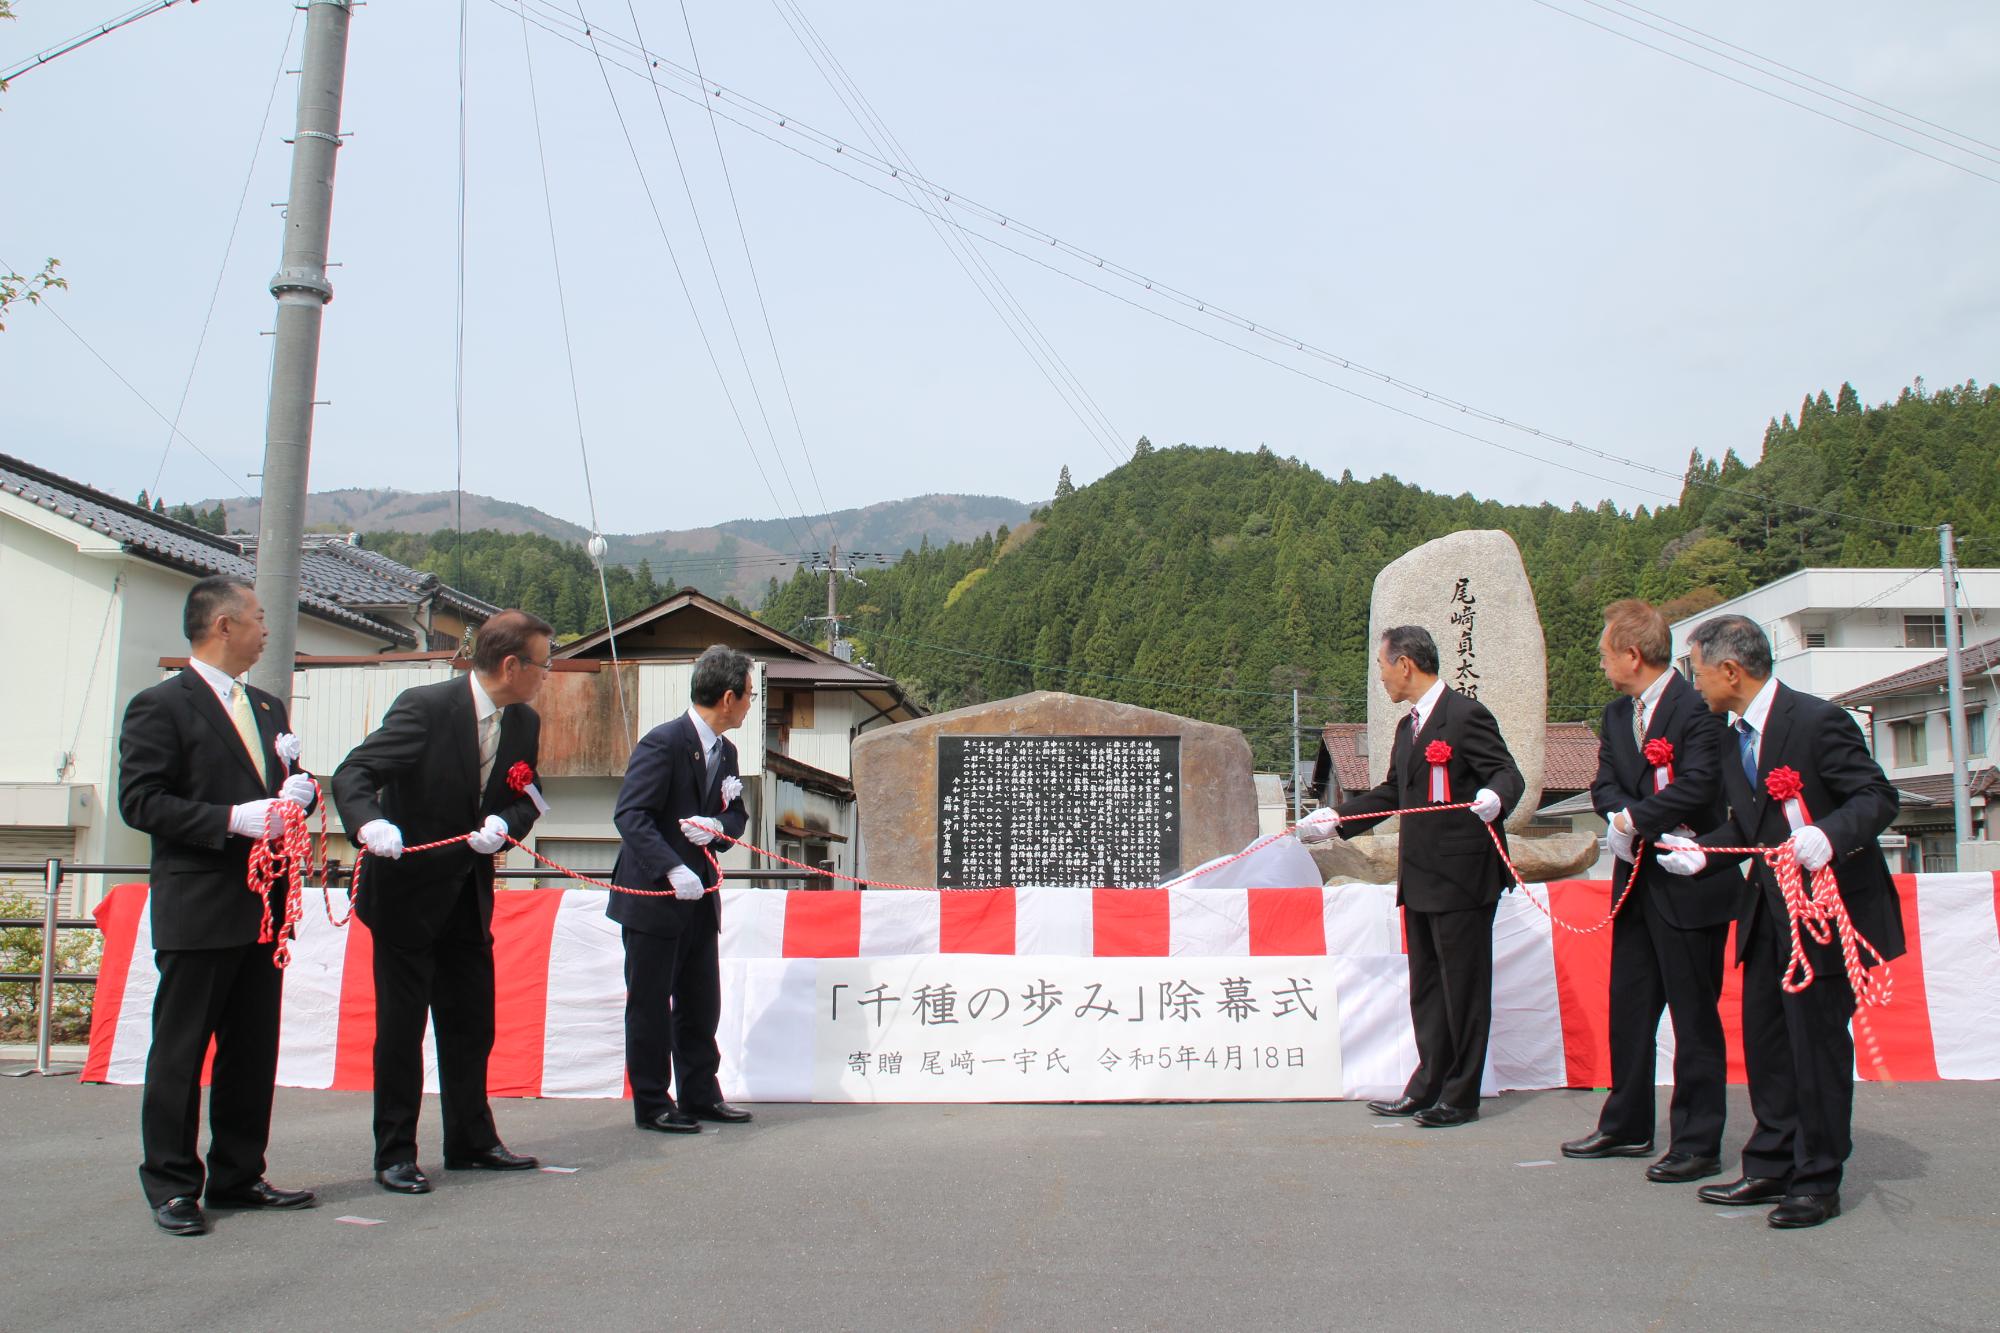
{"x": 597, "y": 546}
{"x": 85, "y": 38}
{"x": 757, "y": 287}
{"x": 751, "y": 112}
{"x": 1767, "y": 92}
{"x": 458, "y": 315}
{"x": 228, "y": 248}
{"x": 673, "y": 256}
{"x": 1061, "y": 376}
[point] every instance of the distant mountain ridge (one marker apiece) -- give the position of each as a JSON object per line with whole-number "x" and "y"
{"x": 736, "y": 557}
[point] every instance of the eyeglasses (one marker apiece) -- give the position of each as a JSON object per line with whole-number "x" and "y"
{"x": 549, "y": 665}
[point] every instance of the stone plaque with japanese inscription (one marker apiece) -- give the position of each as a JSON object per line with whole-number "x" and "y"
{"x": 1471, "y": 591}
{"x": 1050, "y": 789}
{"x": 1079, "y": 811}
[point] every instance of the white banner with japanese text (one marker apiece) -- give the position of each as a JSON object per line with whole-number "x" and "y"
{"x": 989, "y": 1028}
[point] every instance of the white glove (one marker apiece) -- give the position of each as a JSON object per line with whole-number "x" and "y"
{"x": 732, "y": 787}
{"x": 490, "y": 836}
{"x": 1622, "y": 844}
{"x": 1317, "y": 826}
{"x": 286, "y": 743}
{"x": 382, "y": 838}
{"x": 1621, "y": 822}
{"x": 686, "y": 884}
{"x": 1486, "y": 805}
{"x": 701, "y": 830}
{"x": 298, "y": 789}
{"x": 1812, "y": 848}
{"x": 253, "y": 819}
{"x": 1679, "y": 855}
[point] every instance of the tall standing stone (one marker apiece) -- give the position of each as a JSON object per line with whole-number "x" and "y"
{"x": 1471, "y": 592}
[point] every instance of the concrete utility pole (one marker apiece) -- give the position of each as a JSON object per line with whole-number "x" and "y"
{"x": 302, "y": 292}
{"x": 1298, "y": 788}
{"x": 1961, "y": 799}
{"x": 835, "y": 572}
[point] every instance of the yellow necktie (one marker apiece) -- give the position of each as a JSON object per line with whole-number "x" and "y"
{"x": 246, "y": 727}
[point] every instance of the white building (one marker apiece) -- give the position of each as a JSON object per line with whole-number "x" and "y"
{"x": 1835, "y": 630}
{"x": 95, "y": 589}
{"x": 1906, "y": 716}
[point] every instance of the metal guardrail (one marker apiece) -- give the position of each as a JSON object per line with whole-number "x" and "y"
{"x": 51, "y": 922}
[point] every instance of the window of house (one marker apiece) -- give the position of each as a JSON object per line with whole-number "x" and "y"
{"x": 1911, "y": 740}
{"x": 1975, "y": 733}
{"x": 1927, "y": 631}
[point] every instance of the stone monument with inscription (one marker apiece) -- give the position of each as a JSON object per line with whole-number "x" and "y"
{"x": 1471, "y": 591}
{"x": 1050, "y": 789}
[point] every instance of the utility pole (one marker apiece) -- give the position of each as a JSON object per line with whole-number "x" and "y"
{"x": 1961, "y": 800}
{"x": 302, "y": 292}
{"x": 1298, "y": 792}
{"x": 835, "y": 572}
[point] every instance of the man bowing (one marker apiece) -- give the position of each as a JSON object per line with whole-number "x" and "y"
{"x": 1449, "y": 872}
{"x": 1659, "y": 770}
{"x": 1800, "y": 772}
{"x": 681, "y": 790}
{"x": 455, "y": 756}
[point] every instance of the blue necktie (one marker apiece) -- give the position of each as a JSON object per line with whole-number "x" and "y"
{"x": 1746, "y": 746}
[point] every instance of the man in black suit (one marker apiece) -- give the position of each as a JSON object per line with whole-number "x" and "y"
{"x": 1659, "y": 770}
{"x": 1449, "y": 874}
{"x": 202, "y": 763}
{"x": 681, "y": 790}
{"x": 1799, "y": 1052}
{"x": 440, "y": 764}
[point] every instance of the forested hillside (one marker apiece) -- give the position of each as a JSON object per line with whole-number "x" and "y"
{"x": 1210, "y": 583}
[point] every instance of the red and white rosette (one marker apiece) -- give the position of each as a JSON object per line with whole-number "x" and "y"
{"x": 1438, "y": 755}
{"x": 522, "y": 779}
{"x": 1659, "y": 753}
{"x": 1788, "y": 788}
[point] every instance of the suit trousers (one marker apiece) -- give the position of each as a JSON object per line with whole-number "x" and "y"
{"x": 1799, "y": 1055}
{"x": 1656, "y": 966}
{"x": 673, "y": 1001}
{"x": 1451, "y": 1003}
{"x": 232, "y": 995}
{"x": 449, "y": 982}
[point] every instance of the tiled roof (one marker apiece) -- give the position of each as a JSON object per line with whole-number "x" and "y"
{"x": 1936, "y": 788}
{"x": 1569, "y": 765}
{"x": 1976, "y": 660}
{"x": 338, "y": 581}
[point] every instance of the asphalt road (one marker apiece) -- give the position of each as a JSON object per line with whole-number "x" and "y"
{"x": 1288, "y": 1215}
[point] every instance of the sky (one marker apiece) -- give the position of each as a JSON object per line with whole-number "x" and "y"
{"x": 1494, "y": 202}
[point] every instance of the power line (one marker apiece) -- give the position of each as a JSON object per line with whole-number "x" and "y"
{"x": 751, "y": 111}
{"x": 228, "y": 248}
{"x": 673, "y": 257}
{"x": 86, "y": 37}
{"x": 1776, "y": 96}
{"x": 235, "y": 483}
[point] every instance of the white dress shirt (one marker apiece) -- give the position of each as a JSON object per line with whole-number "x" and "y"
{"x": 1758, "y": 714}
{"x": 1422, "y": 712}
{"x": 217, "y": 679}
{"x": 1649, "y": 699}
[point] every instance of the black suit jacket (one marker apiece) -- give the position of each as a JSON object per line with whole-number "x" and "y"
{"x": 420, "y": 771}
{"x": 1446, "y": 862}
{"x": 665, "y": 783}
{"x": 1625, "y": 781}
{"x": 181, "y": 765}
{"x": 1845, "y": 794}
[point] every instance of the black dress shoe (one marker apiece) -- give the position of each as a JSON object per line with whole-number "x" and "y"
{"x": 675, "y": 1121}
{"x": 180, "y": 1216}
{"x": 496, "y": 1158}
{"x": 1804, "y": 1210}
{"x": 403, "y": 1178}
{"x": 1681, "y": 1168}
{"x": 1445, "y": 1117}
{"x": 1599, "y": 1144}
{"x": 263, "y": 1194}
{"x": 1750, "y": 1189}
{"x": 1400, "y": 1107}
{"x": 720, "y": 1112}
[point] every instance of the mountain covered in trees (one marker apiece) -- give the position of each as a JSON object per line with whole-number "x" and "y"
{"x": 1211, "y": 583}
